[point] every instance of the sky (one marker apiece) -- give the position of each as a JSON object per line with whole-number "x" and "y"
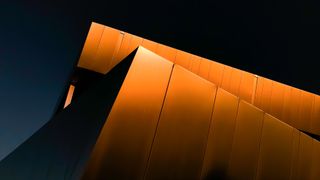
{"x": 40, "y": 43}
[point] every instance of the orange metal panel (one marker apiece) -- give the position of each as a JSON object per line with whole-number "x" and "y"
{"x": 123, "y": 147}
{"x": 109, "y": 45}
{"x": 293, "y": 108}
{"x": 69, "y": 96}
{"x": 295, "y": 153}
{"x": 150, "y": 45}
{"x": 216, "y": 73}
{"x": 265, "y": 94}
{"x": 315, "y": 116}
{"x": 235, "y": 80}
{"x": 103, "y": 50}
{"x": 305, "y": 158}
{"x": 277, "y": 99}
{"x": 231, "y": 80}
{"x": 181, "y": 138}
{"x": 255, "y": 83}
{"x": 220, "y": 136}
{"x": 183, "y": 59}
{"x": 204, "y": 68}
{"x": 167, "y": 52}
{"x": 247, "y": 86}
{"x": 123, "y": 50}
{"x": 195, "y": 64}
{"x": 135, "y": 41}
{"x": 90, "y": 47}
{"x": 287, "y": 104}
{"x": 258, "y": 92}
{"x": 275, "y": 150}
{"x": 305, "y": 111}
{"x": 226, "y": 78}
{"x": 246, "y": 142}
{"x": 315, "y": 167}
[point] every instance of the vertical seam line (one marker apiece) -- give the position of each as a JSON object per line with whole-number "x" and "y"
{"x": 156, "y": 130}
{"x": 209, "y": 129}
{"x": 234, "y": 134}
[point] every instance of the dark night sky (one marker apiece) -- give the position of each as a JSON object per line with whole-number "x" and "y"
{"x": 40, "y": 42}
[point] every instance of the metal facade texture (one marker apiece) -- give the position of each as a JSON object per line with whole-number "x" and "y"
{"x": 296, "y": 107}
{"x": 168, "y": 114}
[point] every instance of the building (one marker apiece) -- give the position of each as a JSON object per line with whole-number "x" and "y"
{"x": 137, "y": 109}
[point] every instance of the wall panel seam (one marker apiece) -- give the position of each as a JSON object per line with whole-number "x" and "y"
{"x": 156, "y": 129}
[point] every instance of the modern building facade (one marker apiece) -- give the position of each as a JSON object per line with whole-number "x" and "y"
{"x": 137, "y": 109}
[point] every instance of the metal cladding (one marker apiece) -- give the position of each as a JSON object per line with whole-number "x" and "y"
{"x": 174, "y": 115}
{"x": 193, "y": 118}
{"x": 105, "y": 47}
{"x": 133, "y": 120}
{"x": 169, "y": 123}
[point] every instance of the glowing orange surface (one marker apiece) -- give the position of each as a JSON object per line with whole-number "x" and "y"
{"x": 303, "y": 163}
{"x": 247, "y": 86}
{"x": 123, "y": 50}
{"x": 173, "y": 124}
{"x": 275, "y": 157}
{"x": 277, "y": 99}
{"x": 295, "y": 153}
{"x": 90, "y": 47}
{"x": 106, "y": 46}
{"x": 195, "y": 64}
{"x": 167, "y": 52}
{"x": 134, "y": 42}
{"x": 223, "y": 124}
{"x": 245, "y": 149}
{"x": 204, "y": 68}
{"x": 315, "y": 166}
{"x": 182, "y": 58}
{"x": 123, "y": 147}
{"x": 150, "y": 45}
{"x": 183, "y": 128}
{"x": 315, "y": 115}
{"x": 69, "y": 96}
{"x": 216, "y": 72}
